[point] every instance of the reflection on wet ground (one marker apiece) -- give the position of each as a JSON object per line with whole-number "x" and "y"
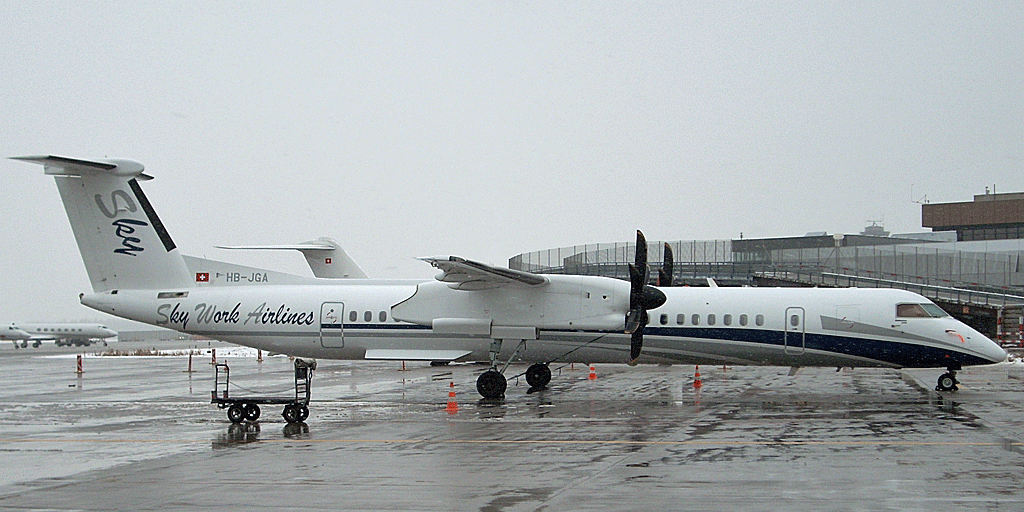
{"x": 139, "y": 434}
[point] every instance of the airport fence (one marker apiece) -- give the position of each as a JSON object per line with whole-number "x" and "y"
{"x": 910, "y": 263}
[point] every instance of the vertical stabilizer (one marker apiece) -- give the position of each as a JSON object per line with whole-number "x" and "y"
{"x": 122, "y": 241}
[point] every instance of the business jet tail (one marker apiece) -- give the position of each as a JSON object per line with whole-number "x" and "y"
{"x": 325, "y": 257}
{"x": 122, "y": 241}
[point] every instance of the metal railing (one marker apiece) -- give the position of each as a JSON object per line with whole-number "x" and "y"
{"x": 951, "y": 294}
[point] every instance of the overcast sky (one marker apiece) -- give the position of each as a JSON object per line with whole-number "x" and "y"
{"x": 485, "y": 130}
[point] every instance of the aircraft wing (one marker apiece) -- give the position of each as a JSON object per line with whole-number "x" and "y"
{"x": 463, "y": 274}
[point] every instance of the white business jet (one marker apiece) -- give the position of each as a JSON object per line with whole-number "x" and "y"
{"x": 62, "y": 334}
{"x": 12, "y": 333}
{"x": 325, "y": 257}
{"x": 475, "y": 311}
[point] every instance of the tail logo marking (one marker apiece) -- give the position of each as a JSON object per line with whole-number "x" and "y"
{"x": 130, "y": 205}
{"x": 124, "y": 228}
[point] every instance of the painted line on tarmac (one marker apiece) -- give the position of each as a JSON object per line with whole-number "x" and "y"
{"x": 514, "y": 442}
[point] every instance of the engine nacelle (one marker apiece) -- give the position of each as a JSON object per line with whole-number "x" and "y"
{"x": 564, "y": 302}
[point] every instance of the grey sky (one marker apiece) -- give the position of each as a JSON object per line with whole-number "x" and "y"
{"x": 407, "y": 129}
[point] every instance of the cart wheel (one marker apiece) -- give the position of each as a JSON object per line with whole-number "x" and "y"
{"x": 291, "y": 413}
{"x": 303, "y": 412}
{"x": 252, "y": 412}
{"x": 235, "y": 413}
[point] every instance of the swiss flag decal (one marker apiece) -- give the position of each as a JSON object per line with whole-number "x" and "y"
{"x": 327, "y": 261}
{"x": 202, "y": 277}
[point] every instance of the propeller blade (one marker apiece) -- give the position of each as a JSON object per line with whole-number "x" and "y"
{"x": 633, "y": 321}
{"x": 637, "y": 280}
{"x": 641, "y": 249}
{"x": 638, "y": 272}
{"x": 665, "y": 272}
{"x": 636, "y": 343}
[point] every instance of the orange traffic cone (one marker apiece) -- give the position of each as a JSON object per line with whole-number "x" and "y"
{"x": 696, "y": 377}
{"x": 592, "y": 376}
{"x": 453, "y": 407}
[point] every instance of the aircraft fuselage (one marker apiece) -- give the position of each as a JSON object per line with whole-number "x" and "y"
{"x": 752, "y": 326}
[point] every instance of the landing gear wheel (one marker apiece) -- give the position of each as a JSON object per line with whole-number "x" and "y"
{"x": 295, "y": 413}
{"x": 236, "y": 414}
{"x": 252, "y": 412}
{"x": 538, "y": 375}
{"x": 947, "y": 382}
{"x": 491, "y": 384}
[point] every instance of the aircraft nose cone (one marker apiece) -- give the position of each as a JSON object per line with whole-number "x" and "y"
{"x": 993, "y": 352}
{"x": 985, "y": 347}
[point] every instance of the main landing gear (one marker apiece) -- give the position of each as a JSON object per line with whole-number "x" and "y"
{"x": 492, "y": 383}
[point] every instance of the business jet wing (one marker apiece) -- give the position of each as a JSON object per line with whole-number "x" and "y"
{"x": 463, "y": 274}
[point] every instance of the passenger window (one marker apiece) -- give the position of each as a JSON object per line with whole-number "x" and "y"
{"x": 759, "y": 320}
{"x": 680, "y": 319}
{"x": 352, "y": 316}
{"x": 663, "y": 319}
{"x": 711, "y": 319}
{"x": 368, "y": 316}
{"x": 695, "y": 319}
{"x": 383, "y": 316}
{"x": 794, "y": 320}
{"x": 727, "y": 319}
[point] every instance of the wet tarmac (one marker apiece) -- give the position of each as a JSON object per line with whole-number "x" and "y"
{"x": 139, "y": 433}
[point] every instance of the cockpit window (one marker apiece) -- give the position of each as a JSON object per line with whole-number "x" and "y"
{"x": 910, "y": 311}
{"x": 919, "y": 311}
{"x": 934, "y": 310}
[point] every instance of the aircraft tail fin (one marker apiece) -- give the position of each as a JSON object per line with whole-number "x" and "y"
{"x": 123, "y": 243}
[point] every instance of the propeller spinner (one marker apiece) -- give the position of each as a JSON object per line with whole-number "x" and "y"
{"x": 642, "y": 297}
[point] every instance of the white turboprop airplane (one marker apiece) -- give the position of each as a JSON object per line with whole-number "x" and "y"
{"x": 474, "y": 311}
{"x": 62, "y": 334}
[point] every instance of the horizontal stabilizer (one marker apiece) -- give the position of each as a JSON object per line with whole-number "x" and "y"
{"x": 64, "y": 166}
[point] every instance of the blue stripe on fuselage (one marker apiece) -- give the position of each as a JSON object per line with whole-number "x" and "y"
{"x": 898, "y": 353}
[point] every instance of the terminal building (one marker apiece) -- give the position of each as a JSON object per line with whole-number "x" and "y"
{"x": 969, "y": 264}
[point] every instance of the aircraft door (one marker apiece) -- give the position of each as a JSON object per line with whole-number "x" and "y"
{"x": 332, "y": 325}
{"x": 794, "y": 334}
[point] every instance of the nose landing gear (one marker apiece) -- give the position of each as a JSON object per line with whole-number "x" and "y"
{"x": 947, "y": 381}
